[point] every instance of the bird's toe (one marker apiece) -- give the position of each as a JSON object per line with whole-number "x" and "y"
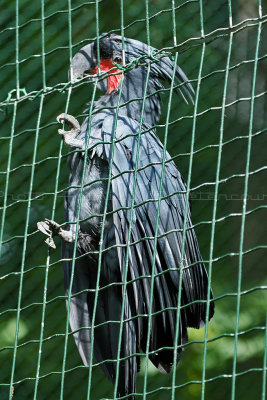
{"x": 50, "y": 242}
{"x": 61, "y": 118}
{"x": 43, "y": 227}
{"x": 72, "y": 122}
{"x": 48, "y": 228}
{"x": 53, "y": 226}
{"x": 62, "y": 132}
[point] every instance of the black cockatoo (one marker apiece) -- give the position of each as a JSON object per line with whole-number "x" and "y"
{"x": 119, "y": 143}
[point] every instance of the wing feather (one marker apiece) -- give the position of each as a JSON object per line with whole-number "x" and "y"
{"x": 143, "y": 220}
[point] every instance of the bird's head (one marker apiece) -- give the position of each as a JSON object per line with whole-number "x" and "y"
{"x": 110, "y": 54}
{"x": 85, "y": 63}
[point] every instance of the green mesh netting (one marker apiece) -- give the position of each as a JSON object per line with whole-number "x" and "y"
{"x": 219, "y": 145}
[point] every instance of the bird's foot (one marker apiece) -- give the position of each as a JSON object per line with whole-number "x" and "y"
{"x": 51, "y": 228}
{"x": 69, "y": 137}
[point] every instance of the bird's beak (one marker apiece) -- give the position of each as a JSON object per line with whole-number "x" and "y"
{"x": 82, "y": 63}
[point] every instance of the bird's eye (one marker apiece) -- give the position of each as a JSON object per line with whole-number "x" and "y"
{"x": 87, "y": 72}
{"x": 117, "y": 60}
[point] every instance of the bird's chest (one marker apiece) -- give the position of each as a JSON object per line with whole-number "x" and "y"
{"x": 87, "y": 191}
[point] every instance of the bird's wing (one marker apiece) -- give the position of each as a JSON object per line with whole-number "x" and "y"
{"x": 135, "y": 205}
{"x": 105, "y": 304}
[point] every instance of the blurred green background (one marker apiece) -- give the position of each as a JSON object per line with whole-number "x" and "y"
{"x": 31, "y": 253}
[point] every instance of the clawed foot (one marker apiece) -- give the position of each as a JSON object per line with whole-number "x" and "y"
{"x": 51, "y": 228}
{"x": 69, "y": 137}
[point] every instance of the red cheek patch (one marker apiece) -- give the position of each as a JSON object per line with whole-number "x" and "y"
{"x": 113, "y": 80}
